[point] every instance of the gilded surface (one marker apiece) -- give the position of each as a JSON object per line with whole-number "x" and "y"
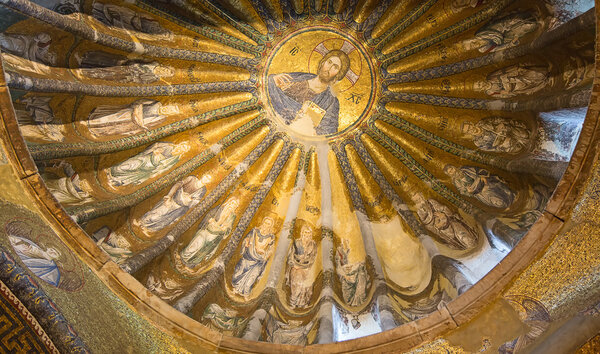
{"x": 255, "y": 163}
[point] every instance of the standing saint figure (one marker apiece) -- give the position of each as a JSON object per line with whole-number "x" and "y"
{"x": 134, "y": 72}
{"x": 256, "y": 250}
{"x": 67, "y": 7}
{"x": 122, "y": 17}
{"x": 499, "y": 134}
{"x": 215, "y": 227}
{"x": 115, "y": 245}
{"x": 301, "y": 257}
{"x": 157, "y": 158}
{"x": 101, "y": 59}
{"x": 353, "y": 276}
{"x": 505, "y": 31}
{"x": 40, "y": 262}
{"x": 183, "y": 196}
{"x": 306, "y": 101}
{"x": 293, "y": 332}
{"x": 444, "y": 223}
{"x": 223, "y": 319}
{"x": 68, "y": 189}
{"x": 516, "y": 80}
{"x": 32, "y": 48}
{"x": 479, "y": 183}
{"x": 134, "y": 118}
{"x": 459, "y": 5}
{"x": 38, "y": 111}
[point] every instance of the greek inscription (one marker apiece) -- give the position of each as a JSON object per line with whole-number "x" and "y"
{"x": 432, "y": 20}
{"x": 223, "y": 163}
{"x": 376, "y": 202}
{"x": 196, "y": 42}
{"x": 446, "y": 85}
{"x": 202, "y": 139}
{"x": 442, "y": 51}
{"x": 354, "y": 98}
{"x": 313, "y": 209}
{"x": 400, "y": 181}
{"x": 428, "y": 155}
{"x": 443, "y": 123}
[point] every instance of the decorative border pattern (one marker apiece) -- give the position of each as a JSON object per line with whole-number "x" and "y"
{"x": 185, "y": 303}
{"x": 57, "y": 151}
{"x": 32, "y": 84}
{"x": 422, "y": 173}
{"x": 29, "y": 325}
{"x": 137, "y": 261}
{"x": 39, "y": 305}
{"x": 70, "y": 24}
{"x": 448, "y": 32}
{"x": 207, "y": 31}
{"x": 441, "y": 143}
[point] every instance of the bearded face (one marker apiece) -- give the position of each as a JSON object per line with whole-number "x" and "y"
{"x": 330, "y": 68}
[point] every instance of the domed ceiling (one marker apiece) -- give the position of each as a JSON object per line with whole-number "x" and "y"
{"x": 288, "y": 171}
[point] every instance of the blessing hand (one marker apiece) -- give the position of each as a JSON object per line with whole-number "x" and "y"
{"x": 283, "y": 81}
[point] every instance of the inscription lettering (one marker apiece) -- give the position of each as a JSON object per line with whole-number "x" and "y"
{"x": 354, "y": 98}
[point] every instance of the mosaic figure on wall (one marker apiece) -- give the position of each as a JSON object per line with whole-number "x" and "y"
{"x": 40, "y": 249}
{"x": 499, "y": 134}
{"x": 505, "y": 32}
{"x": 115, "y": 245}
{"x": 479, "y": 183}
{"x": 444, "y": 223}
{"x": 156, "y": 159}
{"x": 301, "y": 257}
{"x": 39, "y": 112}
{"x": 139, "y": 73}
{"x": 223, "y": 319}
{"x": 534, "y": 315}
{"x": 293, "y": 333}
{"x": 512, "y": 228}
{"x": 307, "y": 101}
{"x": 579, "y": 68}
{"x": 67, "y": 189}
{"x": 516, "y": 80}
{"x": 122, "y": 17}
{"x": 164, "y": 287}
{"x": 41, "y": 262}
{"x": 353, "y": 276}
{"x": 101, "y": 59}
{"x": 458, "y": 5}
{"x": 67, "y": 7}
{"x": 34, "y": 48}
{"x": 215, "y": 227}
{"x": 257, "y": 247}
{"x": 183, "y": 196}
{"x": 130, "y": 119}
{"x": 425, "y": 306}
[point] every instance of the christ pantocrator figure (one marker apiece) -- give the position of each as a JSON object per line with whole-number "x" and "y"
{"x": 306, "y": 101}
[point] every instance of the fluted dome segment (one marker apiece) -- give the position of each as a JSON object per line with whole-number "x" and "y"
{"x": 284, "y": 170}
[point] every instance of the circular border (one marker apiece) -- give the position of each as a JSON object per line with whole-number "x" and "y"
{"x": 196, "y": 336}
{"x": 356, "y": 44}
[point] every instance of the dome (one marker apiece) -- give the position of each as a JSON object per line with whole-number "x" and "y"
{"x": 296, "y": 172}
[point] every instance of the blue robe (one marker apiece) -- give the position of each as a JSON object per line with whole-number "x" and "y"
{"x": 45, "y": 269}
{"x": 287, "y": 107}
{"x": 252, "y": 264}
{"x": 164, "y": 214}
